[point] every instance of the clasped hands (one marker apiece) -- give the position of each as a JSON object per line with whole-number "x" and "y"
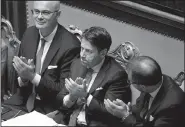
{"x": 25, "y": 68}
{"x": 77, "y": 88}
{"x": 118, "y": 108}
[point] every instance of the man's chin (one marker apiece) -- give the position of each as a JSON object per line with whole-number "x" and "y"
{"x": 40, "y": 26}
{"x": 84, "y": 63}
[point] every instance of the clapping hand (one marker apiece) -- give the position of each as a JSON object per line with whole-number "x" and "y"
{"x": 77, "y": 88}
{"x": 25, "y": 68}
{"x": 117, "y": 108}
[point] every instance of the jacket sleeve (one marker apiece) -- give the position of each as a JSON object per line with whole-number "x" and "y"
{"x": 53, "y": 81}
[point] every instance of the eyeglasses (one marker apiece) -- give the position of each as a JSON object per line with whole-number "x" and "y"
{"x": 44, "y": 13}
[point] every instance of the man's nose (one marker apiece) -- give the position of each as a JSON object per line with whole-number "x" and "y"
{"x": 82, "y": 54}
{"x": 40, "y": 16}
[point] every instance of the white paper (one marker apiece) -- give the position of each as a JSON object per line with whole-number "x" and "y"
{"x": 31, "y": 119}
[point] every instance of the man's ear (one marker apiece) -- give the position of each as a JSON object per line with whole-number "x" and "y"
{"x": 58, "y": 13}
{"x": 103, "y": 52}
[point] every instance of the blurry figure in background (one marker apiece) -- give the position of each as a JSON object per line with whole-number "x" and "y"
{"x": 4, "y": 55}
{"x": 9, "y": 48}
{"x": 76, "y": 31}
{"x": 124, "y": 53}
{"x": 179, "y": 79}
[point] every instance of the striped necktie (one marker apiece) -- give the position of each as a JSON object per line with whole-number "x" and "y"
{"x": 145, "y": 105}
{"x": 31, "y": 98}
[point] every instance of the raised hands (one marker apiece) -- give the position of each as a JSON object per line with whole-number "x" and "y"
{"x": 117, "y": 108}
{"x": 25, "y": 68}
{"x": 77, "y": 88}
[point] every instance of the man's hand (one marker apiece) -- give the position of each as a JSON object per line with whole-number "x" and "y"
{"x": 77, "y": 88}
{"x": 25, "y": 70}
{"x": 117, "y": 108}
{"x": 24, "y": 59}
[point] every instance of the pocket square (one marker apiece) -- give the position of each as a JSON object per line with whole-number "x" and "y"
{"x": 52, "y": 67}
{"x": 151, "y": 118}
{"x": 100, "y": 88}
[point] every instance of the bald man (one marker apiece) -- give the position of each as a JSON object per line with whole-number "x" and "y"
{"x": 161, "y": 103}
{"x": 46, "y": 53}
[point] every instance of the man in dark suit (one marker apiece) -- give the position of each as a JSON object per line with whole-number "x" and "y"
{"x": 161, "y": 103}
{"x": 46, "y": 53}
{"x": 94, "y": 77}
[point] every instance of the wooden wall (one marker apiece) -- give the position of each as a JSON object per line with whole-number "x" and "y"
{"x": 169, "y": 52}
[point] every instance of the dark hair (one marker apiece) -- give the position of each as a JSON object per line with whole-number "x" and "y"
{"x": 145, "y": 70}
{"x": 98, "y": 37}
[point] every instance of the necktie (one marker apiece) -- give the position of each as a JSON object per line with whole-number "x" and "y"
{"x": 88, "y": 76}
{"x": 145, "y": 105}
{"x": 74, "y": 115}
{"x": 39, "y": 56}
{"x": 31, "y": 98}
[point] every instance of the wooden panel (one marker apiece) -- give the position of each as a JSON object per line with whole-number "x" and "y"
{"x": 133, "y": 16}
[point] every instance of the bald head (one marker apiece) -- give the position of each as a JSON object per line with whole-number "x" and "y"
{"x": 51, "y": 5}
{"x": 144, "y": 70}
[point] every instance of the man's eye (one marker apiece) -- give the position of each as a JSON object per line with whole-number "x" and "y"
{"x": 36, "y": 11}
{"x": 46, "y": 12}
{"x": 89, "y": 51}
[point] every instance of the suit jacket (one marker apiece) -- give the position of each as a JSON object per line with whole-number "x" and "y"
{"x": 113, "y": 79}
{"x": 63, "y": 49}
{"x": 167, "y": 109}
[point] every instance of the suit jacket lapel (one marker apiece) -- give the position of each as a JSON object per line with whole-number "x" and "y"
{"x": 52, "y": 50}
{"x": 100, "y": 76}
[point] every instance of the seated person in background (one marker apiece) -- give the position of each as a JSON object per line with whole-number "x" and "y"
{"x": 161, "y": 102}
{"x": 94, "y": 77}
{"x": 46, "y": 52}
{"x": 76, "y": 31}
{"x": 124, "y": 53}
{"x": 10, "y": 48}
{"x": 4, "y": 57}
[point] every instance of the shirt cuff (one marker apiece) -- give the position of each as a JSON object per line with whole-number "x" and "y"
{"x": 89, "y": 99}
{"x": 67, "y": 102}
{"x": 36, "y": 80}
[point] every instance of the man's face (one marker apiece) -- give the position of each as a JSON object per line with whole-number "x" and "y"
{"x": 48, "y": 17}
{"x": 137, "y": 86}
{"x": 89, "y": 54}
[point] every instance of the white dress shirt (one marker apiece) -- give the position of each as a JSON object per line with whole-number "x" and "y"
{"x": 68, "y": 103}
{"x": 49, "y": 39}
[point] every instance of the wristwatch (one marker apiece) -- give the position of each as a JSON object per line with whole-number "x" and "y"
{"x": 128, "y": 113}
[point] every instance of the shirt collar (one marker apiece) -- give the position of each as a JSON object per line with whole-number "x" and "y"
{"x": 154, "y": 93}
{"x": 96, "y": 68}
{"x": 50, "y": 37}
